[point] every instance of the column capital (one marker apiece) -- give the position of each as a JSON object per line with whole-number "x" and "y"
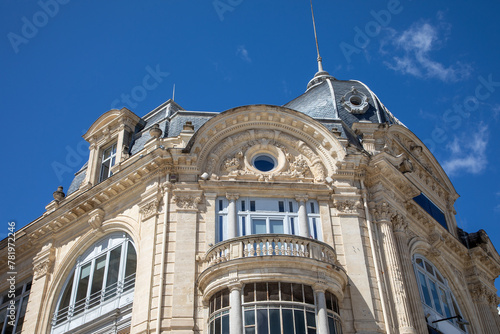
{"x": 234, "y": 285}
{"x": 301, "y": 198}
{"x": 399, "y": 224}
{"x": 383, "y": 212}
{"x": 232, "y": 196}
{"x": 320, "y": 287}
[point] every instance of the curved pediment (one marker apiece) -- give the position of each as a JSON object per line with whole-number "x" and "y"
{"x": 295, "y": 145}
{"x": 109, "y": 120}
{"x": 426, "y": 168}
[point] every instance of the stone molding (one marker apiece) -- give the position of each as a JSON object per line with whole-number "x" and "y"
{"x": 43, "y": 262}
{"x": 346, "y": 206}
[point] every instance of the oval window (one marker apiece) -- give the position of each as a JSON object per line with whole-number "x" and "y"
{"x": 264, "y": 162}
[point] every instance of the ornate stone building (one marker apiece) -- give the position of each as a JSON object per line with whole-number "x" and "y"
{"x": 324, "y": 215}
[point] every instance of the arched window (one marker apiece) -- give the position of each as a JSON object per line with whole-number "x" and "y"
{"x": 102, "y": 281}
{"x": 437, "y": 299}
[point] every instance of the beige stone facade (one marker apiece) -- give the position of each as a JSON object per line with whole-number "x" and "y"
{"x": 260, "y": 219}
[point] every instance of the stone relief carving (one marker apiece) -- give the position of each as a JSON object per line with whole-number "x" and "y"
{"x": 301, "y": 161}
{"x": 185, "y": 201}
{"x": 347, "y": 206}
{"x": 149, "y": 209}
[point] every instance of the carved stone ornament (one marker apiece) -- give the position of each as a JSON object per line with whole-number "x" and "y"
{"x": 233, "y": 158}
{"x": 43, "y": 262}
{"x": 347, "y": 206}
{"x": 42, "y": 268}
{"x": 95, "y": 218}
{"x": 149, "y": 209}
{"x": 355, "y": 101}
{"x": 383, "y": 212}
{"x": 399, "y": 223}
{"x": 187, "y": 201}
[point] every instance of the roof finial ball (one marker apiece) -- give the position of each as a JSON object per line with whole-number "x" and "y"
{"x": 155, "y": 131}
{"x": 59, "y": 194}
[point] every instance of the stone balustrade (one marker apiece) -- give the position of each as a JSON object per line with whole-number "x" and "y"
{"x": 269, "y": 245}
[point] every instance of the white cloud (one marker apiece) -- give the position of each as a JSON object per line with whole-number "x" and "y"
{"x": 468, "y": 154}
{"x": 416, "y": 44}
{"x": 243, "y": 53}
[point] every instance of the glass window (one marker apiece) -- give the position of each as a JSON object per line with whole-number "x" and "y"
{"x": 431, "y": 209}
{"x": 267, "y": 215}
{"x": 219, "y": 313}
{"x": 288, "y": 308}
{"x": 435, "y": 294}
{"x": 20, "y": 296}
{"x": 108, "y": 160}
{"x": 103, "y": 274}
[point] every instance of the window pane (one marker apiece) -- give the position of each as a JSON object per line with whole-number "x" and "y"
{"x": 281, "y": 206}
{"x": 97, "y": 280}
{"x": 311, "y": 319}
{"x": 83, "y": 282}
{"x": 248, "y": 294}
{"x": 258, "y": 226}
{"x": 290, "y": 206}
{"x": 276, "y": 226}
{"x": 261, "y": 291}
{"x": 221, "y": 205}
{"x": 286, "y": 292}
{"x": 113, "y": 270}
{"x": 309, "y": 294}
{"x": 250, "y": 330}
{"x": 225, "y": 324}
{"x": 274, "y": 292}
{"x": 297, "y": 293}
{"x": 243, "y": 226}
{"x": 315, "y": 229}
{"x": 131, "y": 260}
{"x": 67, "y": 293}
{"x": 262, "y": 325}
{"x": 249, "y": 317}
{"x": 252, "y": 205}
{"x": 217, "y": 326}
{"x": 331, "y": 325}
{"x": 225, "y": 298}
{"x": 22, "y": 313}
{"x": 420, "y": 262}
{"x": 243, "y": 208}
{"x": 437, "y": 304}
{"x": 287, "y": 321}
{"x": 444, "y": 301}
{"x": 300, "y": 326}
{"x": 292, "y": 226}
{"x": 425, "y": 290}
{"x": 274, "y": 321}
{"x": 312, "y": 208}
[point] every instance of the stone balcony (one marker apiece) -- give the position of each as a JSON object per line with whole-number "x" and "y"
{"x": 270, "y": 257}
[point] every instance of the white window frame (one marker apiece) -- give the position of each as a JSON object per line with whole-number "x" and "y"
{"x": 111, "y": 159}
{"x": 440, "y": 282}
{"x": 245, "y": 217}
{"x": 100, "y": 303}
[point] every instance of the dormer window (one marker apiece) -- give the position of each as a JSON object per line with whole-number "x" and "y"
{"x": 108, "y": 161}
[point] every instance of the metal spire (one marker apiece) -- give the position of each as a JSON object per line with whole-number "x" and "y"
{"x": 320, "y": 63}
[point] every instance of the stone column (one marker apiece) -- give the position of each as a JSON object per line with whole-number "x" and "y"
{"x": 232, "y": 216}
{"x": 384, "y": 214}
{"x": 481, "y": 296}
{"x": 322, "y": 325}
{"x": 303, "y": 222}
{"x": 235, "y": 312}
{"x": 400, "y": 226}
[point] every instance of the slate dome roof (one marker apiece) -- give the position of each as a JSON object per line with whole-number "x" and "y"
{"x": 350, "y": 101}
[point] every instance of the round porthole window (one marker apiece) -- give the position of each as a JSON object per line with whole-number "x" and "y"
{"x": 355, "y": 100}
{"x": 264, "y": 162}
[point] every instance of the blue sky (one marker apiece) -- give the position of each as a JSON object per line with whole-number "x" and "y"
{"x": 434, "y": 64}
